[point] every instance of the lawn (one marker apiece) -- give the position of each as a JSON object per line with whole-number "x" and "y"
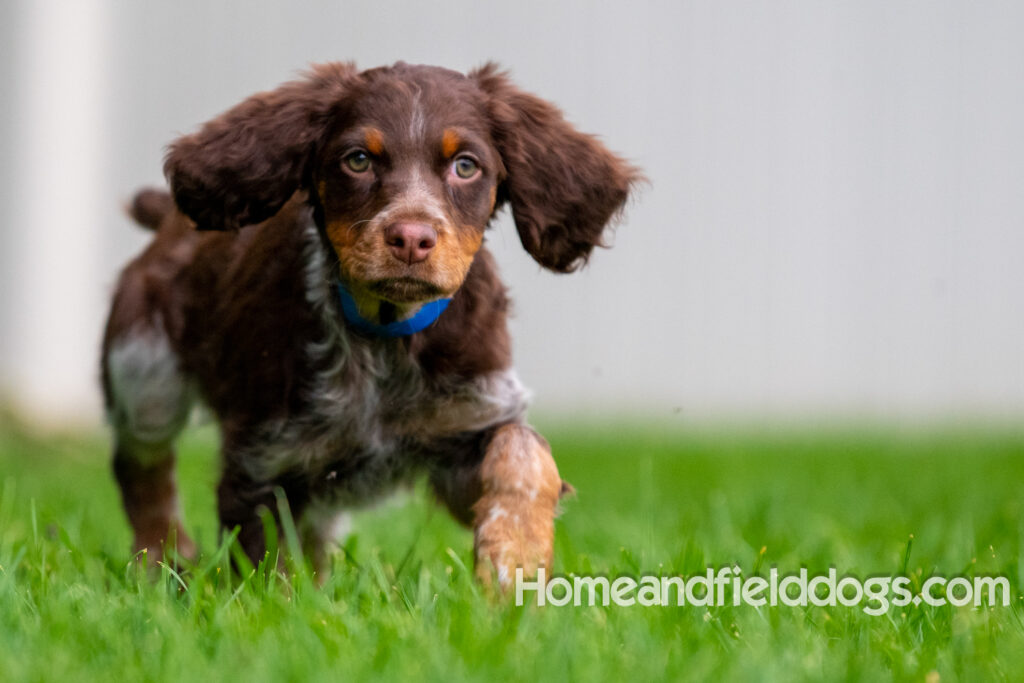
{"x": 401, "y": 603}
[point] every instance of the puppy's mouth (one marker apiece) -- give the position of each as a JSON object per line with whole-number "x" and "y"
{"x": 405, "y": 290}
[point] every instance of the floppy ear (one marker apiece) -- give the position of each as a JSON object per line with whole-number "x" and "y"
{"x": 241, "y": 167}
{"x": 564, "y": 186}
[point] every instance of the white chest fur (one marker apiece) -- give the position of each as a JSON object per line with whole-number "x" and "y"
{"x": 372, "y": 410}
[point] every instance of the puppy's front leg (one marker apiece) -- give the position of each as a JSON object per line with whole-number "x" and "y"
{"x": 513, "y": 520}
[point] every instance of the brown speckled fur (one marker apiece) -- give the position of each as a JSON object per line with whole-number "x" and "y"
{"x": 232, "y": 303}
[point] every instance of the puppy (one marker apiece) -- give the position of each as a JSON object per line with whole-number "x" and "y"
{"x": 318, "y": 279}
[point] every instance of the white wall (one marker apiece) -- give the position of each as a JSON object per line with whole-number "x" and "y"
{"x": 835, "y": 222}
{"x": 55, "y": 203}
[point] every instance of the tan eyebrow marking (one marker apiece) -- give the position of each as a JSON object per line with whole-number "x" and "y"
{"x": 449, "y": 142}
{"x": 374, "y": 141}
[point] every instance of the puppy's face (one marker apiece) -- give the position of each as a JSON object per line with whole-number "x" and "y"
{"x": 404, "y": 166}
{"x": 407, "y": 180}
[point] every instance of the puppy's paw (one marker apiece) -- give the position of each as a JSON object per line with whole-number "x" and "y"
{"x": 512, "y": 535}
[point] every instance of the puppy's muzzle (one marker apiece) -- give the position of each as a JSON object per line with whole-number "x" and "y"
{"x": 410, "y": 242}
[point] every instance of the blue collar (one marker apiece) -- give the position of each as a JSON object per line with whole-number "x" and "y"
{"x": 423, "y": 318}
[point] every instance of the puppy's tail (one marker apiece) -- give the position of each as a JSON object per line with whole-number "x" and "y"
{"x": 150, "y": 206}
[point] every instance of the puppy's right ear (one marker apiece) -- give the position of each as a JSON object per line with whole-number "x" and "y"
{"x": 564, "y": 186}
{"x": 241, "y": 167}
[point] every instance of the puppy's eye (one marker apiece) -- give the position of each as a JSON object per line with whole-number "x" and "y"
{"x": 465, "y": 167}
{"x": 358, "y": 162}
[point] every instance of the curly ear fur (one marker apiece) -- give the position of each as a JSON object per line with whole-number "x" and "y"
{"x": 242, "y": 166}
{"x": 564, "y": 186}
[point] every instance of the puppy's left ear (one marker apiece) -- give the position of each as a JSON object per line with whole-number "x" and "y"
{"x": 564, "y": 186}
{"x": 241, "y": 167}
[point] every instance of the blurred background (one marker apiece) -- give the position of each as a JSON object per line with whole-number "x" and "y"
{"x": 834, "y": 226}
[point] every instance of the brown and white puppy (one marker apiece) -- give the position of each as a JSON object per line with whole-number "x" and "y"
{"x": 383, "y": 182}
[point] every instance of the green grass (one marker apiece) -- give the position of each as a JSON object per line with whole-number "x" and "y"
{"x": 401, "y": 603}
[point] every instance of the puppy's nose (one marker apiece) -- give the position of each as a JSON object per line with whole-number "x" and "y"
{"x": 410, "y": 242}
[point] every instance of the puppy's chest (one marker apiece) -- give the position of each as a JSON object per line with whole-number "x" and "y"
{"x": 374, "y": 418}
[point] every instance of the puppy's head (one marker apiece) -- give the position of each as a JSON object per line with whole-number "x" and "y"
{"x": 405, "y": 166}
